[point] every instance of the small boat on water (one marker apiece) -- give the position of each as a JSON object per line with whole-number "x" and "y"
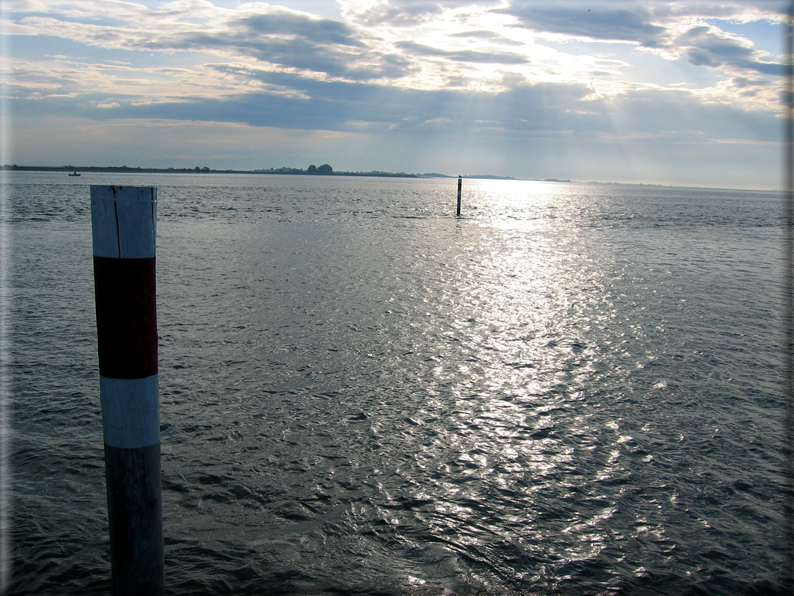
{"x": 75, "y": 174}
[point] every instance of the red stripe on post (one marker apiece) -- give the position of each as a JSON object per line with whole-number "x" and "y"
{"x": 126, "y": 312}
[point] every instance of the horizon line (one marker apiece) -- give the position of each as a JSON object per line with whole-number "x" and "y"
{"x": 285, "y": 170}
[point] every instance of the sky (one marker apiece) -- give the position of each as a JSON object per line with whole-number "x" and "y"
{"x": 684, "y": 93}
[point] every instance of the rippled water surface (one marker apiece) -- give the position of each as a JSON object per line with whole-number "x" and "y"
{"x": 571, "y": 389}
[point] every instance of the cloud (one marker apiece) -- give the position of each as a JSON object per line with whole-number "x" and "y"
{"x": 404, "y": 13}
{"x": 671, "y": 30}
{"x": 488, "y": 36}
{"x": 470, "y": 56}
{"x": 435, "y": 122}
{"x": 173, "y": 143}
{"x": 290, "y": 24}
{"x": 526, "y": 74}
{"x": 523, "y": 112}
{"x": 533, "y": 130}
{"x": 273, "y": 35}
{"x": 123, "y": 84}
{"x": 451, "y": 43}
{"x": 600, "y": 22}
{"x": 707, "y": 46}
{"x": 298, "y": 53}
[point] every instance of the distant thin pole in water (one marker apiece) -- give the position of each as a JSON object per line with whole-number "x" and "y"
{"x": 460, "y": 185}
{"x": 789, "y": 297}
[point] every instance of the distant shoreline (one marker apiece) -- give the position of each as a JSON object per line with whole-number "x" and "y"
{"x": 196, "y": 170}
{"x": 206, "y": 170}
{"x": 375, "y": 174}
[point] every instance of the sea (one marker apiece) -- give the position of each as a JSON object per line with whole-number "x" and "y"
{"x": 569, "y": 389}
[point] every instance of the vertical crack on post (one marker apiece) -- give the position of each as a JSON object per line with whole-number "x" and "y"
{"x": 118, "y": 231}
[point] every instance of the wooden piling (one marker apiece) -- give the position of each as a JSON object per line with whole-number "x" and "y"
{"x": 124, "y": 228}
{"x": 460, "y": 185}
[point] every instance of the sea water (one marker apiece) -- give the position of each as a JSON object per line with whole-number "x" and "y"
{"x": 572, "y": 388}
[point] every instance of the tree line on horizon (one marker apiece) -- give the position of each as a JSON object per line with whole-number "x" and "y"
{"x": 323, "y": 170}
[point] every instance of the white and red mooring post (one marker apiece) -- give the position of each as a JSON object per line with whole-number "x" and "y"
{"x": 124, "y": 226}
